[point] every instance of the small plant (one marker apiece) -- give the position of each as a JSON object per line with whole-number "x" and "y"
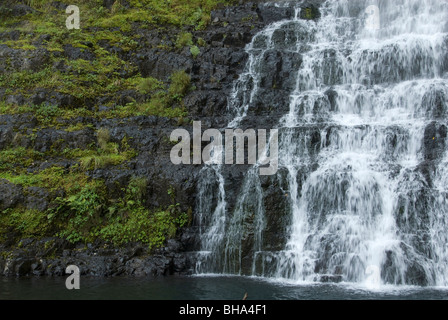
{"x": 308, "y": 13}
{"x": 184, "y": 39}
{"x": 202, "y": 42}
{"x": 46, "y": 113}
{"x": 195, "y": 51}
{"x": 100, "y": 11}
{"x": 180, "y": 84}
{"x": 149, "y": 85}
{"x": 82, "y": 210}
{"x": 172, "y": 193}
{"x": 136, "y": 191}
{"x": 39, "y": 4}
{"x": 76, "y": 127}
{"x": 129, "y": 221}
{"x": 117, "y": 7}
{"x": 103, "y": 137}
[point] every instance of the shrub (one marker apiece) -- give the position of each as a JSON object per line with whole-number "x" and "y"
{"x": 180, "y": 83}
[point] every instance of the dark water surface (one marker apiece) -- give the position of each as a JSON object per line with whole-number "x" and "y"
{"x": 204, "y": 288}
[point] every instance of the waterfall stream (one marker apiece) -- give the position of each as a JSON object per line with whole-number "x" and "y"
{"x": 362, "y": 151}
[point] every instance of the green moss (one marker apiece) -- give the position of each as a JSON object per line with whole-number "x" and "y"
{"x": 201, "y": 42}
{"x": 78, "y": 127}
{"x": 26, "y": 79}
{"x": 195, "y": 51}
{"x": 18, "y": 158}
{"x": 309, "y": 13}
{"x": 83, "y": 212}
{"x": 20, "y": 44}
{"x": 103, "y": 137}
{"x": 84, "y": 79}
{"x": 141, "y": 225}
{"x": 53, "y": 178}
{"x": 149, "y": 85}
{"x": 184, "y": 39}
{"x": 180, "y": 84}
{"x": 29, "y": 223}
{"x": 163, "y": 102}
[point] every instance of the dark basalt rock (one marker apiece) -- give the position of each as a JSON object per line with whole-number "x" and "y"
{"x": 160, "y": 64}
{"x": 59, "y": 5}
{"x": 19, "y": 10}
{"x": 50, "y": 257}
{"x": 434, "y": 141}
{"x": 37, "y": 198}
{"x": 74, "y": 53}
{"x": 23, "y": 60}
{"x": 10, "y": 195}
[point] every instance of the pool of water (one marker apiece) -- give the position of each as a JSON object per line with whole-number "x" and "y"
{"x": 205, "y": 288}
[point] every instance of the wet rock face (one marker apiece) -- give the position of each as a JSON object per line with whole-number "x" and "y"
{"x": 434, "y": 141}
{"x": 212, "y": 72}
{"x": 12, "y": 195}
{"x": 20, "y": 60}
{"x": 50, "y": 257}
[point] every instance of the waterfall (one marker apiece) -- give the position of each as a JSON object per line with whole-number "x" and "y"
{"x": 362, "y": 155}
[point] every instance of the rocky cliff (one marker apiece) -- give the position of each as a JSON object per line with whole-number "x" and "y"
{"x": 85, "y": 121}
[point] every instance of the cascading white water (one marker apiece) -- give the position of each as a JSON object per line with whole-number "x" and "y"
{"x": 248, "y": 84}
{"x": 376, "y": 197}
{"x": 212, "y": 215}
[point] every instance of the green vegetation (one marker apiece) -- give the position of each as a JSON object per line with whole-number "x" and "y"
{"x": 201, "y": 42}
{"x": 20, "y": 44}
{"x": 19, "y": 155}
{"x": 131, "y": 222}
{"x": 104, "y": 72}
{"x": 85, "y": 213}
{"x": 165, "y": 100}
{"x": 180, "y": 84}
{"x": 149, "y": 85}
{"x": 108, "y": 154}
{"x": 184, "y": 39}
{"x": 80, "y": 212}
{"x": 195, "y": 51}
{"x": 102, "y": 64}
{"x": 103, "y": 136}
{"x": 309, "y": 13}
{"x": 52, "y": 179}
{"x": 29, "y": 223}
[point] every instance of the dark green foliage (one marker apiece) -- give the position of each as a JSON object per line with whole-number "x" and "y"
{"x": 180, "y": 84}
